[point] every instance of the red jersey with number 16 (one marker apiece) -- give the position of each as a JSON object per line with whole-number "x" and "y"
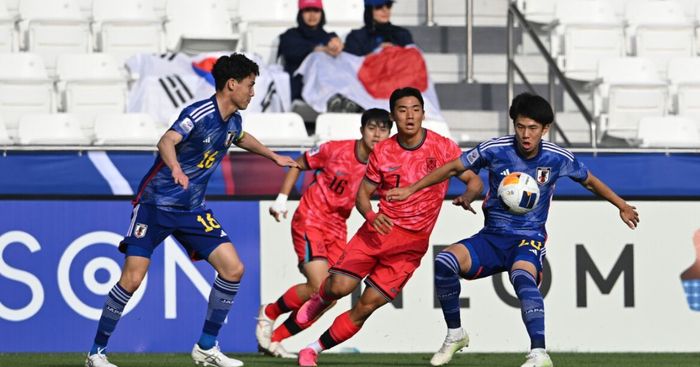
{"x": 329, "y": 200}
{"x": 392, "y": 165}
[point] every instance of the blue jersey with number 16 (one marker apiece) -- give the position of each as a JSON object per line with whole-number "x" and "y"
{"x": 500, "y": 157}
{"x": 206, "y": 138}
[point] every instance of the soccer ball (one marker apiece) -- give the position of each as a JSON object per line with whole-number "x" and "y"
{"x": 519, "y": 192}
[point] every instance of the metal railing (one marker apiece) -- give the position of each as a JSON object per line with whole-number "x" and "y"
{"x": 554, "y": 71}
{"x": 469, "y": 59}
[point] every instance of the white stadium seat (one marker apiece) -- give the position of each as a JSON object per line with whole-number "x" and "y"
{"x": 587, "y": 31}
{"x": 127, "y": 27}
{"x": 338, "y": 126}
{"x": 628, "y": 89}
{"x": 12, "y": 7}
{"x": 684, "y": 76}
{"x": 51, "y": 129}
{"x": 537, "y": 11}
{"x": 660, "y": 31}
{"x": 24, "y": 88}
{"x": 199, "y": 26}
{"x": 344, "y": 13}
{"x": 439, "y": 127}
{"x": 4, "y": 136}
{"x": 264, "y": 21}
{"x": 126, "y": 129}
{"x": 92, "y": 84}
{"x": 8, "y": 37}
{"x": 277, "y": 129}
{"x": 669, "y": 132}
{"x": 51, "y": 28}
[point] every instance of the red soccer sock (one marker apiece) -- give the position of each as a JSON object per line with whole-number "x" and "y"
{"x": 281, "y": 333}
{"x": 289, "y": 301}
{"x": 342, "y": 329}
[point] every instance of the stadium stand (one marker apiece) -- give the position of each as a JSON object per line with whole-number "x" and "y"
{"x": 51, "y": 129}
{"x": 200, "y": 26}
{"x": 4, "y": 137}
{"x": 277, "y": 129}
{"x": 668, "y": 132}
{"x": 338, "y": 126}
{"x": 126, "y": 129}
{"x": 8, "y": 37}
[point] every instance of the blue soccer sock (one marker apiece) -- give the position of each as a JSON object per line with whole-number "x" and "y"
{"x": 220, "y": 301}
{"x": 111, "y": 313}
{"x": 531, "y": 306}
{"x": 447, "y": 287}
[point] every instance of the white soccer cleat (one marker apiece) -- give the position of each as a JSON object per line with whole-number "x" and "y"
{"x": 263, "y": 330}
{"x": 213, "y": 357}
{"x": 538, "y": 358}
{"x": 277, "y": 350}
{"x": 98, "y": 360}
{"x": 449, "y": 348}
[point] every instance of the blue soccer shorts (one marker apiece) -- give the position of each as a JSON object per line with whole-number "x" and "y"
{"x": 197, "y": 231}
{"x": 494, "y": 253}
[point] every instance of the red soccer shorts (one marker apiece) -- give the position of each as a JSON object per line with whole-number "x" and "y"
{"x": 388, "y": 261}
{"x": 312, "y": 242}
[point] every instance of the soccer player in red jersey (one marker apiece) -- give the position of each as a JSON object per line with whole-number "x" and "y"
{"x": 319, "y": 232}
{"x": 388, "y": 247}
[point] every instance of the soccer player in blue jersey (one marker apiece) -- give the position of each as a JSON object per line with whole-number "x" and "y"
{"x": 509, "y": 242}
{"x": 170, "y": 200}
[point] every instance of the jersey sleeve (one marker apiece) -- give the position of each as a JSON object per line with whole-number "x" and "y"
{"x": 452, "y": 151}
{"x": 473, "y": 159}
{"x": 574, "y": 169}
{"x": 372, "y": 174}
{"x": 317, "y": 156}
{"x": 238, "y": 125}
{"x": 183, "y": 125}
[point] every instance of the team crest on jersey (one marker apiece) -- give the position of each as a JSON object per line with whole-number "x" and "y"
{"x": 430, "y": 164}
{"x": 313, "y": 151}
{"x": 229, "y": 138}
{"x": 543, "y": 174}
{"x": 140, "y": 230}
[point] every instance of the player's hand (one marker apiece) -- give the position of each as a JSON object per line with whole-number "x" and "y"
{"x": 279, "y": 207}
{"x": 398, "y": 194}
{"x": 629, "y": 215}
{"x": 382, "y": 224}
{"x": 464, "y": 202}
{"x": 334, "y": 46}
{"x": 386, "y": 44}
{"x": 181, "y": 178}
{"x": 285, "y": 161}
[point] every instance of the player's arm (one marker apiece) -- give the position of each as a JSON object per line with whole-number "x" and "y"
{"x": 166, "y": 149}
{"x": 628, "y": 213}
{"x": 446, "y": 171}
{"x": 280, "y": 205}
{"x": 474, "y": 188}
{"x": 253, "y": 145}
{"x": 380, "y": 222}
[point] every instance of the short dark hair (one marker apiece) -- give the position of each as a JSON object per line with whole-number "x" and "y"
{"x": 300, "y": 20}
{"x": 405, "y": 92}
{"x": 531, "y": 106}
{"x": 235, "y": 66}
{"x": 378, "y": 115}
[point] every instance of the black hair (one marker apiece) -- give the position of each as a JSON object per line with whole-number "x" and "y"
{"x": 378, "y": 115}
{"x": 300, "y": 19}
{"x": 235, "y": 66}
{"x": 531, "y": 106}
{"x": 405, "y": 92}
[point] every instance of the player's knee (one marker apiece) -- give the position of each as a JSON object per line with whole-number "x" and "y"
{"x": 364, "y": 309}
{"x": 131, "y": 281}
{"x": 341, "y": 286}
{"x": 233, "y": 273}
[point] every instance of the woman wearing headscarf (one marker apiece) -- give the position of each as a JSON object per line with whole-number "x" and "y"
{"x": 378, "y": 30}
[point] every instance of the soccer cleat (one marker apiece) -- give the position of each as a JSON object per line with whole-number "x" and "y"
{"x": 213, "y": 357}
{"x": 310, "y": 310}
{"x": 449, "y": 347}
{"x": 98, "y": 360}
{"x": 277, "y": 350}
{"x": 538, "y": 358}
{"x": 263, "y": 330}
{"x": 308, "y": 357}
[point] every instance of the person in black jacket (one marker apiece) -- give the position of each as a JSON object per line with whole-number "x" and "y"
{"x": 378, "y": 30}
{"x": 309, "y": 36}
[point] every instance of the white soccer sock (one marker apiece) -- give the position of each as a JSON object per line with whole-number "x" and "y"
{"x": 316, "y": 346}
{"x": 455, "y": 334}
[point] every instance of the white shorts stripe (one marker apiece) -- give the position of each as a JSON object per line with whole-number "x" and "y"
{"x": 134, "y": 213}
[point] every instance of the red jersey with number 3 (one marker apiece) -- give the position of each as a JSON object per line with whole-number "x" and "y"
{"x": 392, "y": 165}
{"x": 329, "y": 200}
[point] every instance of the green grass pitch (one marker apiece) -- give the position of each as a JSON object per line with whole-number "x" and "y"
{"x": 361, "y": 359}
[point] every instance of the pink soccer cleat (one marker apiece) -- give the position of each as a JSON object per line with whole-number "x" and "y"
{"x": 308, "y": 357}
{"x": 310, "y": 310}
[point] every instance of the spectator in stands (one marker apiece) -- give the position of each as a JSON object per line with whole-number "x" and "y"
{"x": 309, "y": 36}
{"x": 378, "y": 30}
